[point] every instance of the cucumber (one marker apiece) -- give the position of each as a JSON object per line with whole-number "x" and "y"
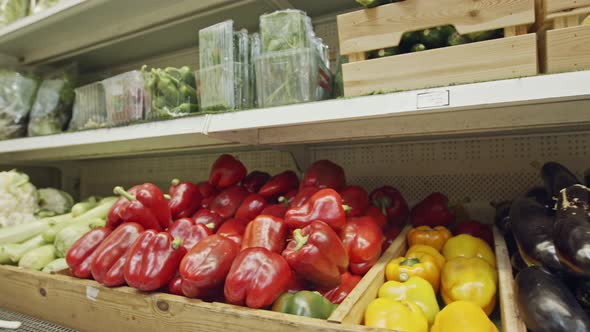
{"x": 433, "y": 38}
{"x": 384, "y": 52}
{"x": 408, "y": 40}
{"x": 457, "y": 39}
{"x": 484, "y": 35}
{"x": 418, "y": 48}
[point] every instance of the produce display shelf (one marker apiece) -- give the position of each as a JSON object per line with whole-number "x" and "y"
{"x": 31, "y": 324}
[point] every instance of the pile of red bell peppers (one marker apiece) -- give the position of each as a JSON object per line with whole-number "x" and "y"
{"x": 246, "y": 239}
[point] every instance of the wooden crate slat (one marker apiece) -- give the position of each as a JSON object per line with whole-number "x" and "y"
{"x": 552, "y": 6}
{"x": 489, "y": 60}
{"x": 568, "y": 49}
{"x": 383, "y": 26}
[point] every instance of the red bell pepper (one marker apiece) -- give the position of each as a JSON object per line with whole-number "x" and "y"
{"x": 227, "y": 202}
{"x": 338, "y": 294}
{"x": 477, "y": 229}
{"x": 302, "y": 197}
{"x": 255, "y": 180}
{"x": 280, "y": 184}
{"x": 391, "y": 203}
{"x": 257, "y": 278}
{"x": 234, "y": 230}
{"x": 153, "y": 260}
{"x": 433, "y": 211}
{"x": 144, "y": 204}
{"x": 79, "y": 256}
{"x": 267, "y": 232}
{"x": 207, "y": 264}
{"x": 206, "y": 202}
{"x": 251, "y": 207}
{"x": 317, "y": 254}
{"x": 189, "y": 231}
{"x": 324, "y": 174}
{"x": 324, "y": 205}
{"x": 111, "y": 255}
{"x": 208, "y": 218}
{"x": 275, "y": 210}
{"x": 362, "y": 239}
{"x": 356, "y": 198}
{"x": 207, "y": 189}
{"x": 175, "y": 286}
{"x": 390, "y": 234}
{"x": 297, "y": 284}
{"x": 378, "y": 217}
{"x": 226, "y": 172}
{"x": 185, "y": 199}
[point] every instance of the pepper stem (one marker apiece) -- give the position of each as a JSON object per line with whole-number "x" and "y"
{"x": 176, "y": 243}
{"x": 166, "y": 196}
{"x": 299, "y": 239}
{"x": 382, "y": 203}
{"x": 410, "y": 262}
{"x": 121, "y": 192}
{"x": 403, "y": 276}
{"x": 346, "y": 208}
{"x": 210, "y": 225}
{"x": 283, "y": 200}
{"x": 175, "y": 182}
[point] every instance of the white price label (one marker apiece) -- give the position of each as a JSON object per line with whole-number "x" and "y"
{"x": 433, "y": 99}
{"x": 91, "y": 293}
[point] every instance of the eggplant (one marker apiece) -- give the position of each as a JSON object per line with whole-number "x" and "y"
{"x": 546, "y": 305}
{"x": 533, "y": 231}
{"x": 557, "y": 177}
{"x": 587, "y": 177}
{"x": 572, "y": 229}
{"x": 541, "y": 195}
{"x": 582, "y": 293}
{"x": 502, "y": 215}
{"x": 518, "y": 264}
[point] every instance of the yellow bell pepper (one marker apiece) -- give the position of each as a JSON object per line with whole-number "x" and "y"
{"x": 422, "y": 248}
{"x": 435, "y": 237}
{"x": 395, "y": 315}
{"x": 422, "y": 265}
{"x": 465, "y": 245}
{"x": 461, "y": 316}
{"x": 469, "y": 279}
{"x": 415, "y": 290}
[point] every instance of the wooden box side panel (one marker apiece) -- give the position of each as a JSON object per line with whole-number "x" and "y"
{"x": 352, "y": 309}
{"x": 383, "y": 26}
{"x": 553, "y": 6}
{"x": 483, "y": 61}
{"x": 568, "y": 49}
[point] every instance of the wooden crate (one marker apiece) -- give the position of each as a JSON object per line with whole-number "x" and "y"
{"x": 515, "y": 55}
{"x": 564, "y": 44}
{"x": 352, "y": 310}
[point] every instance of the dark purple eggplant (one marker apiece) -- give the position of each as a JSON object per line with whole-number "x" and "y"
{"x": 572, "y": 229}
{"x": 517, "y": 262}
{"x": 582, "y": 293}
{"x": 541, "y": 195}
{"x": 557, "y": 177}
{"x": 502, "y": 215}
{"x": 587, "y": 177}
{"x": 546, "y": 305}
{"x": 533, "y": 231}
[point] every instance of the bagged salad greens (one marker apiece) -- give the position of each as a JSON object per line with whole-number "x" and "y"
{"x": 89, "y": 110}
{"x": 173, "y": 92}
{"x": 12, "y": 10}
{"x": 285, "y": 30}
{"x": 52, "y": 109}
{"x": 41, "y": 5}
{"x": 17, "y": 93}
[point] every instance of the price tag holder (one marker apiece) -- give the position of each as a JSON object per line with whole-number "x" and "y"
{"x": 433, "y": 99}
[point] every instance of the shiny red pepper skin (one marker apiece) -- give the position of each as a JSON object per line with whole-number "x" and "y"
{"x": 251, "y": 207}
{"x": 297, "y": 284}
{"x": 207, "y": 264}
{"x": 317, "y": 255}
{"x": 280, "y": 184}
{"x": 275, "y": 210}
{"x": 226, "y": 172}
{"x": 302, "y": 197}
{"x": 324, "y": 205}
{"x": 144, "y": 204}
{"x": 189, "y": 231}
{"x": 257, "y": 278}
{"x": 432, "y": 211}
{"x": 206, "y": 202}
{"x": 79, "y": 256}
{"x": 111, "y": 255}
{"x": 477, "y": 229}
{"x": 267, "y": 232}
{"x": 227, "y": 202}
{"x": 338, "y": 294}
{"x": 377, "y": 216}
{"x": 255, "y": 180}
{"x": 208, "y": 217}
{"x": 234, "y": 229}
{"x": 185, "y": 199}
{"x": 356, "y": 198}
{"x": 207, "y": 189}
{"x": 153, "y": 260}
{"x": 324, "y": 174}
{"x": 362, "y": 239}
{"x": 175, "y": 286}
{"x": 391, "y": 203}
{"x": 390, "y": 234}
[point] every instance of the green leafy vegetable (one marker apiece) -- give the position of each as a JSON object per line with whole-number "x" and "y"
{"x": 17, "y": 93}
{"x": 12, "y": 10}
{"x": 285, "y": 30}
{"x": 42, "y": 5}
{"x": 173, "y": 92}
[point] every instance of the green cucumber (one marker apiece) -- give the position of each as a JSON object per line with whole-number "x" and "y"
{"x": 484, "y": 35}
{"x": 457, "y": 39}
{"x": 418, "y": 48}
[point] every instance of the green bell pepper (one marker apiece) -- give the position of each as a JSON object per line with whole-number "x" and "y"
{"x": 304, "y": 303}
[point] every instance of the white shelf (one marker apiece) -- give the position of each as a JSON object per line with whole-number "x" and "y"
{"x": 540, "y": 103}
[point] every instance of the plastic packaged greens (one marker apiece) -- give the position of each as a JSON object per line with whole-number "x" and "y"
{"x": 17, "y": 93}
{"x": 285, "y": 30}
{"x": 89, "y": 109}
{"x": 254, "y": 53}
{"x": 126, "y": 98}
{"x": 173, "y": 92}
{"x": 41, "y": 5}
{"x": 12, "y": 10}
{"x": 216, "y": 45}
{"x": 52, "y": 109}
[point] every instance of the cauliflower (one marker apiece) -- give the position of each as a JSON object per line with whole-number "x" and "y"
{"x": 18, "y": 199}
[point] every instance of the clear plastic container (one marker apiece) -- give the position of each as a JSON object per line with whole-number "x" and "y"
{"x": 173, "y": 92}
{"x": 254, "y": 53}
{"x": 89, "y": 108}
{"x": 216, "y": 45}
{"x": 224, "y": 87}
{"x": 285, "y": 30}
{"x": 126, "y": 98}
{"x": 290, "y": 77}
{"x": 17, "y": 94}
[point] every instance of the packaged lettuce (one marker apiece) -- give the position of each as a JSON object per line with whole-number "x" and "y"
{"x": 12, "y": 10}
{"x": 17, "y": 93}
{"x": 285, "y": 30}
